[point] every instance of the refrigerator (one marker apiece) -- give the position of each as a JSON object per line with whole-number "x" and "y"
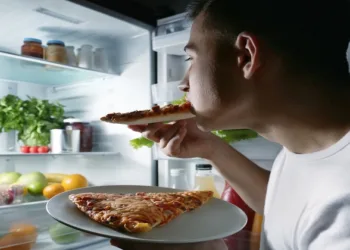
{"x": 145, "y": 65}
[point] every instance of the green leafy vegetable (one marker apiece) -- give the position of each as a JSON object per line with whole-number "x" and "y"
{"x": 32, "y": 118}
{"x": 229, "y": 136}
{"x": 180, "y": 101}
{"x": 141, "y": 142}
{"x": 235, "y": 135}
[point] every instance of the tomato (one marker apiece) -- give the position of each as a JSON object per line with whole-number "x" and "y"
{"x": 33, "y": 149}
{"x": 25, "y": 149}
{"x": 43, "y": 149}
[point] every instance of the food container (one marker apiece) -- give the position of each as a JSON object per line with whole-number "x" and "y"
{"x": 85, "y": 57}
{"x": 71, "y": 58}
{"x": 100, "y": 61}
{"x": 32, "y": 47}
{"x": 72, "y": 139}
{"x": 86, "y": 131}
{"x": 57, "y": 141}
{"x": 11, "y": 194}
{"x": 56, "y": 52}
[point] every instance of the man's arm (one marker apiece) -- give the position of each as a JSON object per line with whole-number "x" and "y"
{"x": 246, "y": 178}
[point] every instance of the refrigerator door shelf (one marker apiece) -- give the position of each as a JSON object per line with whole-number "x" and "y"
{"x": 173, "y": 43}
{"x": 173, "y": 24}
{"x": 166, "y": 92}
{"x": 259, "y": 149}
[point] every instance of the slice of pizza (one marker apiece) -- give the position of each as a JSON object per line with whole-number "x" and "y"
{"x": 167, "y": 113}
{"x": 140, "y": 212}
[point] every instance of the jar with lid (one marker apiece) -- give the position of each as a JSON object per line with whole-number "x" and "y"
{"x": 204, "y": 179}
{"x": 32, "y": 47}
{"x": 85, "y": 132}
{"x": 178, "y": 179}
{"x": 56, "y": 52}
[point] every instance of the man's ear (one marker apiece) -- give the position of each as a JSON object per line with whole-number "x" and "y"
{"x": 248, "y": 54}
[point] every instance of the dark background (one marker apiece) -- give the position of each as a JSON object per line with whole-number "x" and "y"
{"x": 147, "y": 11}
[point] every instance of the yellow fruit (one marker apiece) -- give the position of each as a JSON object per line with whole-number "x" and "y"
{"x": 52, "y": 190}
{"x": 74, "y": 181}
{"x": 54, "y": 177}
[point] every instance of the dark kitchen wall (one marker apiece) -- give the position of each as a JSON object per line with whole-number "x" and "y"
{"x": 147, "y": 11}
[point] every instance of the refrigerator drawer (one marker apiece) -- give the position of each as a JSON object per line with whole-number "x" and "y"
{"x": 36, "y": 230}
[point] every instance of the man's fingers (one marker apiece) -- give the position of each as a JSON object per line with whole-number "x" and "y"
{"x": 168, "y": 133}
{"x": 151, "y": 131}
{"x": 137, "y": 128}
{"x": 174, "y": 143}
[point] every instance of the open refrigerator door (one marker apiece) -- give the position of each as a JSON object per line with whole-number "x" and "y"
{"x": 47, "y": 90}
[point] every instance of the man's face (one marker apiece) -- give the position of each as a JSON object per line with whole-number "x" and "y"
{"x": 215, "y": 81}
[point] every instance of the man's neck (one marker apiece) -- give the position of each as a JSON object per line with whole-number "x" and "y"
{"x": 309, "y": 125}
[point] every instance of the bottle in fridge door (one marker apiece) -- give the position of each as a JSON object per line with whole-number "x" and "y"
{"x": 178, "y": 179}
{"x": 204, "y": 179}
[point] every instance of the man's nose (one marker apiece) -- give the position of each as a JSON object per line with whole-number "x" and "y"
{"x": 183, "y": 86}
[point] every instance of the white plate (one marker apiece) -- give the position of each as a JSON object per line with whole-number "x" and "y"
{"x": 214, "y": 220}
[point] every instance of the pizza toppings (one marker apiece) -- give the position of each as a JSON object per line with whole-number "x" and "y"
{"x": 156, "y": 114}
{"x": 140, "y": 212}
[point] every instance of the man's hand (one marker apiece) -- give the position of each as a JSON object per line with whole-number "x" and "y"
{"x": 210, "y": 245}
{"x": 182, "y": 139}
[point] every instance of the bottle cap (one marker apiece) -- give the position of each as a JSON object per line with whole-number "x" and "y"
{"x": 204, "y": 167}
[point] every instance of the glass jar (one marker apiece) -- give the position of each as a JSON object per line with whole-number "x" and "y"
{"x": 204, "y": 179}
{"x": 32, "y": 47}
{"x": 178, "y": 179}
{"x": 56, "y": 52}
{"x": 85, "y": 133}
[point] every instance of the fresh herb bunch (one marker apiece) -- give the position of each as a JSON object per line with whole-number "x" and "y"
{"x": 229, "y": 136}
{"x": 32, "y": 118}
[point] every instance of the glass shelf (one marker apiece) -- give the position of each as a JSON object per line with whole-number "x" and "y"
{"x": 18, "y": 154}
{"x": 28, "y": 69}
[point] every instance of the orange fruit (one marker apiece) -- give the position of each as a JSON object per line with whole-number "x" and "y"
{"x": 52, "y": 190}
{"x": 74, "y": 181}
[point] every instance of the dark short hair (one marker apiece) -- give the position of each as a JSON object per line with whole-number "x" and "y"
{"x": 311, "y": 35}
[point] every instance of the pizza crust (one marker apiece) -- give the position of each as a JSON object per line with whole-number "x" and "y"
{"x": 154, "y": 119}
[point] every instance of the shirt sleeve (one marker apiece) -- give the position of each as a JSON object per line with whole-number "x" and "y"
{"x": 327, "y": 226}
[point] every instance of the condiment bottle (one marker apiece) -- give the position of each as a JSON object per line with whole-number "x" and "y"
{"x": 204, "y": 179}
{"x": 32, "y": 47}
{"x": 56, "y": 52}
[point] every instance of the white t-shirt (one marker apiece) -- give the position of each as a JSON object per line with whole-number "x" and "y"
{"x": 308, "y": 200}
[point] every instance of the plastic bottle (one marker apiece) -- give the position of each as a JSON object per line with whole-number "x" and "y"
{"x": 204, "y": 179}
{"x": 178, "y": 179}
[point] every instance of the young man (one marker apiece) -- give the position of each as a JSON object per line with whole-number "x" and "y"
{"x": 279, "y": 68}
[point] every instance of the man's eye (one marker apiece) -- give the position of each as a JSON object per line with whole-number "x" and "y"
{"x": 188, "y": 59}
